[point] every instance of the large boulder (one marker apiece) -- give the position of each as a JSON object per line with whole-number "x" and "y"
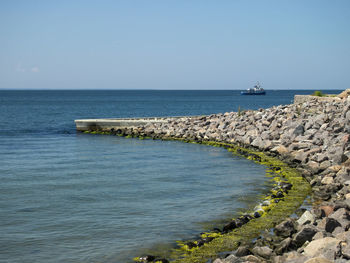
{"x": 307, "y": 217}
{"x": 286, "y": 228}
{"x": 283, "y": 246}
{"x": 264, "y": 252}
{"x": 318, "y": 260}
{"x": 326, "y": 247}
{"x": 280, "y": 149}
{"x": 331, "y": 224}
{"x": 305, "y": 234}
{"x": 342, "y": 217}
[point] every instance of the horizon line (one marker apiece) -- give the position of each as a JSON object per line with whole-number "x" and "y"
{"x": 112, "y": 89}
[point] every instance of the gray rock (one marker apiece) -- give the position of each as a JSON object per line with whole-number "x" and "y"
{"x": 325, "y": 164}
{"x": 321, "y": 193}
{"x": 321, "y": 157}
{"x": 264, "y": 252}
{"x": 286, "y": 228}
{"x": 283, "y": 246}
{"x": 319, "y": 235}
{"x": 280, "y": 149}
{"x": 299, "y": 130}
{"x": 225, "y": 254}
{"x": 307, "y": 217}
{"x": 318, "y": 260}
{"x": 232, "y": 259}
{"x": 342, "y": 216}
{"x": 314, "y": 166}
{"x": 251, "y": 259}
{"x": 258, "y": 142}
{"x": 294, "y": 257}
{"x": 344, "y": 236}
{"x": 326, "y": 247}
{"x": 300, "y": 156}
{"x": 305, "y": 234}
{"x": 343, "y": 175}
{"x": 337, "y": 231}
{"x": 242, "y": 251}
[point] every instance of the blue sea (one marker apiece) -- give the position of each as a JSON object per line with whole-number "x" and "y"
{"x": 73, "y": 197}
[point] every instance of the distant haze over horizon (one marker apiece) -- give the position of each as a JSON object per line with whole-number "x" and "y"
{"x": 174, "y": 45}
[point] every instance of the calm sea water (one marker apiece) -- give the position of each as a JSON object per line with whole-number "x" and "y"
{"x": 68, "y": 197}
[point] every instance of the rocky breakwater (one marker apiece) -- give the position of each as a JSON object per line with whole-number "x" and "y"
{"x": 313, "y": 137}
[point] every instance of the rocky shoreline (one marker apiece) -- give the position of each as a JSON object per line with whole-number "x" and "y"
{"x": 314, "y": 138}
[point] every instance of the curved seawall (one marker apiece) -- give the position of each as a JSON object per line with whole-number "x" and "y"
{"x": 311, "y": 136}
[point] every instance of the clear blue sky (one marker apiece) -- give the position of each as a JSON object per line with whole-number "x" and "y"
{"x": 182, "y": 44}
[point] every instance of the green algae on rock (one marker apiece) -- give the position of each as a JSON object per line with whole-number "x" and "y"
{"x": 272, "y": 215}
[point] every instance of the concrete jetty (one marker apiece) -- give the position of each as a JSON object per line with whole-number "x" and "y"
{"x": 118, "y": 123}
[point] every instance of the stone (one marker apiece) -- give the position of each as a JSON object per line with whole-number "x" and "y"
{"x": 337, "y": 230}
{"x": 231, "y": 259}
{"x": 327, "y": 209}
{"x": 286, "y": 228}
{"x": 331, "y": 224}
{"x": 344, "y": 236}
{"x": 327, "y": 180}
{"x": 326, "y": 247}
{"x": 342, "y": 204}
{"x": 320, "y": 192}
{"x": 230, "y": 226}
{"x": 318, "y": 260}
{"x": 307, "y": 217}
{"x": 325, "y": 164}
{"x": 321, "y": 157}
{"x": 251, "y": 259}
{"x": 319, "y": 235}
{"x": 343, "y": 174}
{"x": 305, "y": 234}
{"x": 243, "y": 220}
{"x": 279, "y": 194}
{"x": 225, "y": 254}
{"x": 301, "y": 156}
{"x": 318, "y": 212}
{"x": 344, "y": 94}
{"x": 335, "y": 168}
{"x": 314, "y": 166}
{"x": 286, "y": 186}
{"x": 242, "y": 251}
{"x": 280, "y": 149}
{"x": 190, "y": 245}
{"x": 148, "y": 258}
{"x": 264, "y": 252}
{"x": 278, "y": 259}
{"x": 299, "y": 130}
{"x": 258, "y": 142}
{"x": 342, "y": 216}
{"x": 338, "y": 156}
{"x": 283, "y": 246}
{"x": 294, "y": 257}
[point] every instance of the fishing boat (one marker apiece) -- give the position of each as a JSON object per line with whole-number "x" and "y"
{"x": 257, "y": 90}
